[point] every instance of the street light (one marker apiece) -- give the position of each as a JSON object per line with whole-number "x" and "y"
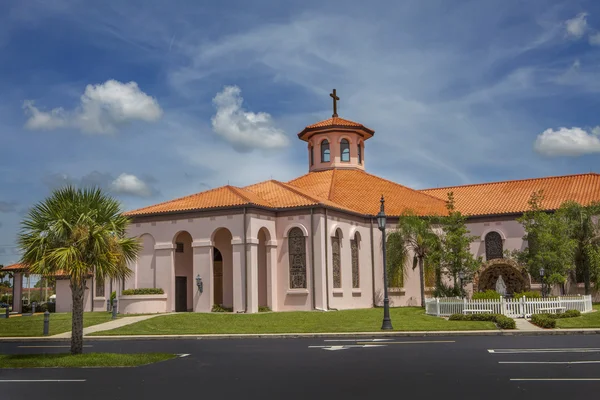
{"x": 542, "y": 272}
{"x": 381, "y": 221}
{"x": 461, "y": 276}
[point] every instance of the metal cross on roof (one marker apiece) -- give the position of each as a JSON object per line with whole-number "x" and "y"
{"x": 335, "y": 100}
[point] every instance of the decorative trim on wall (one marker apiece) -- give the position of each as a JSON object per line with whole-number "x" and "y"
{"x": 502, "y": 235}
{"x": 237, "y": 240}
{"x": 295, "y": 225}
{"x": 252, "y": 240}
{"x": 202, "y": 243}
{"x": 164, "y": 246}
{"x": 271, "y": 243}
{"x": 334, "y": 228}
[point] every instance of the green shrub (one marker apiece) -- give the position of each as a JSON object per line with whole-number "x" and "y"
{"x": 530, "y": 295}
{"x": 487, "y": 295}
{"x": 544, "y": 320}
{"x": 218, "y": 308}
{"x": 263, "y": 309}
{"x": 140, "y": 291}
{"x": 500, "y": 320}
{"x": 570, "y": 314}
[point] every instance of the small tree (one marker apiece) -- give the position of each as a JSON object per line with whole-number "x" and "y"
{"x": 79, "y": 233}
{"x": 550, "y": 244}
{"x": 585, "y": 230}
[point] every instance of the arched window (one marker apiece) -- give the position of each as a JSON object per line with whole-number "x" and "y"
{"x": 493, "y": 246}
{"x": 355, "y": 263}
{"x": 359, "y": 152}
{"x": 325, "y": 151}
{"x": 297, "y": 250}
{"x": 337, "y": 264}
{"x": 312, "y": 155}
{"x": 345, "y": 150}
{"x": 99, "y": 287}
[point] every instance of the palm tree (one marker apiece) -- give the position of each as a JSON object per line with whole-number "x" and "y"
{"x": 77, "y": 233}
{"x": 414, "y": 235}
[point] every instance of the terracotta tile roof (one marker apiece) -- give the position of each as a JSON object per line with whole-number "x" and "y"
{"x": 360, "y": 192}
{"x": 224, "y": 196}
{"x": 284, "y": 195}
{"x": 14, "y": 267}
{"x": 512, "y": 196}
{"x": 336, "y": 122}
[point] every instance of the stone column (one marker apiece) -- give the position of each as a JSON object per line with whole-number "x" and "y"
{"x": 165, "y": 271}
{"x": 18, "y": 292}
{"x": 252, "y": 275}
{"x": 203, "y": 266}
{"x": 239, "y": 275}
{"x": 272, "y": 279}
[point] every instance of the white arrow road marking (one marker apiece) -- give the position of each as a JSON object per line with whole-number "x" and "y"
{"x": 356, "y": 340}
{"x": 548, "y": 362}
{"x": 345, "y": 347}
{"x": 182, "y": 355}
{"x": 557, "y": 350}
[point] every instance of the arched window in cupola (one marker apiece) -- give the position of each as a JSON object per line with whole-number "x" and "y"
{"x": 325, "y": 154}
{"x": 312, "y": 155}
{"x": 345, "y": 150}
{"x": 359, "y": 152}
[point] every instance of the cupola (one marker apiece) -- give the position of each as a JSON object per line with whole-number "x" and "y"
{"x": 336, "y": 142}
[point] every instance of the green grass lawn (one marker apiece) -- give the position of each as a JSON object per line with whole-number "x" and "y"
{"x": 59, "y": 323}
{"x": 81, "y": 360}
{"x": 590, "y": 320}
{"x": 365, "y": 320}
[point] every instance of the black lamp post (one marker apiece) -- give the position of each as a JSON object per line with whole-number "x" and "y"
{"x": 381, "y": 221}
{"x": 542, "y": 272}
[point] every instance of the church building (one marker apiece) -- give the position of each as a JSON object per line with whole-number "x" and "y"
{"x": 311, "y": 243}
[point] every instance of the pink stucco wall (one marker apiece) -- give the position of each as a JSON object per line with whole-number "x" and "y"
{"x": 334, "y": 139}
{"x": 142, "y": 304}
{"x": 64, "y": 301}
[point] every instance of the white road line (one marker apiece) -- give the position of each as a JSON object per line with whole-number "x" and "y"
{"x": 419, "y": 341}
{"x": 182, "y": 355}
{"x": 548, "y": 362}
{"x": 555, "y": 350}
{"x": 348, "y": 346}
{"x": 356, "y": 340}
{"x": 40, "y": 380}
{"x": 555, "y": 379}
{"x": 50, "y": 347}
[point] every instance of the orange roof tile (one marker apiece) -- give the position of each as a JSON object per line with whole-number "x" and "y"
{"x": 14, "y": 267}
{"x": 224, "y": 196}
{"x": 512, "y": 196}
{"x": 336, "y": 122}
{"x": 360, "y": 192}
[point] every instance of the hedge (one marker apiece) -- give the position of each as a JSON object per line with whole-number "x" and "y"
{"x": 502, "y": 321}
{"x": 487, "y": 295}
{"x": 549, "y": 320}
{"x": 140, "y": 291}
{"x": 530, "y": 295}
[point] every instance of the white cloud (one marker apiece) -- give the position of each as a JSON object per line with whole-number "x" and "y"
{"x": 244, "y": 130}
{"x": 132, "y": 185}
{"x": 104, "y": 107}
{"x": 568, "y": 142}
{"x": 595, "y": 39}
{"x": 576, "y": 26}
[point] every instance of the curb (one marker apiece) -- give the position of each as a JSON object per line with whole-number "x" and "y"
{"x": 550, "y": 332}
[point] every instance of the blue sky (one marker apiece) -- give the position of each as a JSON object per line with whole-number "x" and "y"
{"x": 153, "y": 100}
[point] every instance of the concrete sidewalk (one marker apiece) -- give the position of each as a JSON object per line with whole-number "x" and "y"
{"x": 525, "y": 325}
{"x": 117, "y": 323}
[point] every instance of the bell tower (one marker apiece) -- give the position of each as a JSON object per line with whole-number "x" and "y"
{"x": 336, "y": 142}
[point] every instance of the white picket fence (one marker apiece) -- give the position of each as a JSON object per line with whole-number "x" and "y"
{"x": 514, "y": 308}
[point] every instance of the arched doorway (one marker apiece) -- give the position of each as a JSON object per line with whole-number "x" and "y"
{"x": 222, "y": 246}
{"x": 218, "y": 276}
{"x": 184, "y": 270}
{"x": 263, "y": 237}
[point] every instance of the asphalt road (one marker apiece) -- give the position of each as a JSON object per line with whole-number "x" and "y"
{"x": 467, "y": 367}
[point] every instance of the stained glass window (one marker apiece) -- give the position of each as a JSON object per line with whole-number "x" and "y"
{"x": 493, "y": 246}
{"x": 345, "y": 150}
{"x": 297, "y": 253}
{"x": 325, "y": 151}
{"x": 337, "y": 268}
{"x": 355, "y": 263}
{"x": 99, "y": 287}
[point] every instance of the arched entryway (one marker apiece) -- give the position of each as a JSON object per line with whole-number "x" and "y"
{"x": 263, "y": 238}
{"x": 184, "y": 270}
{"x": 514, "y": 277}
{"x": 223, "y": 268}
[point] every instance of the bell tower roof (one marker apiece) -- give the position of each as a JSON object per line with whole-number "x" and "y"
{"x": 335, "y": 124}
